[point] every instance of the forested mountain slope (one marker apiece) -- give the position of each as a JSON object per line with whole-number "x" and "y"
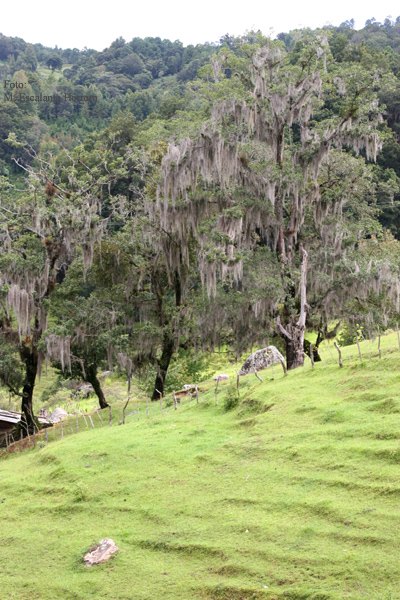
{"x": 147, "y": 78}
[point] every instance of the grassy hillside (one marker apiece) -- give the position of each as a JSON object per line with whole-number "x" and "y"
{"x": 293, "y": 494}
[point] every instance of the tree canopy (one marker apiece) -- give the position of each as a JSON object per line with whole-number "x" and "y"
{"x": 195, "y": 197}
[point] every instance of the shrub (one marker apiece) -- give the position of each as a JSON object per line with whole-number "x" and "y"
{"x": 231, "y": 399}
{"x": 347, "y": 335}
{"x": 185, "y": 367}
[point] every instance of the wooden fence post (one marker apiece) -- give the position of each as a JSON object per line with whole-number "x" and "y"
{"x": 256, "y": 374}
{"x": 123, "y": 410}
{"x": 21, "y": 445}
{"x": 283, "y": 366}
{"x": 197, "y": 395}
{"x": 160, "y": 401}
{"x": 358, "y": 346}
{"x": 91, "y": 421}
{"x": 312, "y": 356}
{"x": 237, "y": 381}
{"x": 175, "y": 401}
{"x": 379, "y": 343}
{"x": 340, "y": 354}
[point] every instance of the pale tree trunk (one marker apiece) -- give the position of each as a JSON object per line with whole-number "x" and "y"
{"x": 293, "y": 334}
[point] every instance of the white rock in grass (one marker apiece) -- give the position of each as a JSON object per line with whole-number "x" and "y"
{"x": 57, "y": 415}
{"x": 221, "y": 377}
{"x": 261, "y": 360}
{"x": 100, "y": 553}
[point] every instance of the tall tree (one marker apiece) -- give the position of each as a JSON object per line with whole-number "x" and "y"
{"x": 157, "y": 295}
{"x": 256, "y": 163}
{"x": 43, "y": 225}
{"x": 87, "y": 318}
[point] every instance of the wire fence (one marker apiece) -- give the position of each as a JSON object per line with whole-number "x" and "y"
{"x": 365, "y": 350}
{"x": 141, "y": 407}
{"x": 137, "y": 409}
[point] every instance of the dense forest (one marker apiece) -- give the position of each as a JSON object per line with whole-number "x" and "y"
{"x": 158, "y": 202}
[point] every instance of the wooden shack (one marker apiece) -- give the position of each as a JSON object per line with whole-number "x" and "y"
{"x": 9, "y": 419}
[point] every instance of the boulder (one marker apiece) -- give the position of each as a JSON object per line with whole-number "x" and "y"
{"x": 57, "y": 415}
{"x": 188, "y": 386}
{"x": 101, "y": 552}
{"x": 261, "y": 360}
{"x": 83, "y": 390}
{"x": 221, "y": 377}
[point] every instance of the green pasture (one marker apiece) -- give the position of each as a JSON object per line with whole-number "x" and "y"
{"x": 293, "y": 493}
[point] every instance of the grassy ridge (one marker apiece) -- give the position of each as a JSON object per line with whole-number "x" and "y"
{"x": 294, "y": 494}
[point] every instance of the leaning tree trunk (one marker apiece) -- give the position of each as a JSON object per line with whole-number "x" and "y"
{"x": 294, "y": 332}
{"x": 91, "y": 377}
{"x": 29, "y": 356}
{"x": 163, "y": 364}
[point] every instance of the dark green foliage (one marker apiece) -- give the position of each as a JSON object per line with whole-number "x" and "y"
{"x": 170, "y": 105}
{"x": 131, "y": 64}
{"x": 54, "y": 62}
{"x": 27, "y": 60}
{"x": 189, "y": 71}
{"x": 338, "y": 46}
{"x": 347, "y": 335}
{"x": 11, "y": 371}
{"x": 307, "y": 345}
{"x": 141, "y": 104}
